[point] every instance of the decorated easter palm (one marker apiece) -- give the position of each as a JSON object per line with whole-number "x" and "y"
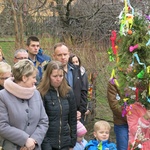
{"x": 133, "y": 67}
{"x": 131, "y": 50}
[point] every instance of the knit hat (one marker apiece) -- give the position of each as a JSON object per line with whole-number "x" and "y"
{"x": 81, "y": 130}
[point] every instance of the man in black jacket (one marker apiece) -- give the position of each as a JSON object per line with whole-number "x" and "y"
{"x": 73, "y": 77}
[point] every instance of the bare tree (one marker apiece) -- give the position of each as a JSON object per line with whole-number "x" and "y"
{"x": 19, "y": 10}
{"x": 78, "y": 20}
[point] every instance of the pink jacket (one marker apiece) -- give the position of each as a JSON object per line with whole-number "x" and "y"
{"x": 135, "y": 120}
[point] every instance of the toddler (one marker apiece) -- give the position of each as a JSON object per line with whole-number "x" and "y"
{"x": 101, "y": 134}
{"x": 81, "y": 142}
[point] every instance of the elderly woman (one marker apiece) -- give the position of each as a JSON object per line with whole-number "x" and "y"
{"x": 23, "y": 121}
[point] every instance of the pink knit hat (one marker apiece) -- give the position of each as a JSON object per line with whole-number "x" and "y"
{"x": 81, "y": 130}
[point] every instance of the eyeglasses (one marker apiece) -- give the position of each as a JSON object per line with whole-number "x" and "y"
{"x": 4, "y": 78}
{"x": 21, "y": 58}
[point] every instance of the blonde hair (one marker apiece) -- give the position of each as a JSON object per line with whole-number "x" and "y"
{"x": 4, "y": 67}
{"x": 101, "y": 124}
{"x": 22, "y": 68}
{"x": 45, "y": 83}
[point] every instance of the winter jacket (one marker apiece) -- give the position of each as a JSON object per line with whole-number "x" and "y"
{"x": 96, "y": 145}
{"x": 41, "y": 61}
{"x": 135, "y": 119}
{"x": 85, "y": 86}
{"x": 21, "y": 119}
{"x": 62, "y": 120}
{"x": 80, "y": 90}
{"x": 112, "y": 94}
{"x": 84, "y": 78}
{"x": 81, "y": 145}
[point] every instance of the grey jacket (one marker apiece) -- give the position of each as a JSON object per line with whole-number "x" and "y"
{"x": 21, "y": 119}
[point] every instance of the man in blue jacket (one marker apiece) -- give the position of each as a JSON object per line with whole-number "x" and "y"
{"x": 36, "y": 55}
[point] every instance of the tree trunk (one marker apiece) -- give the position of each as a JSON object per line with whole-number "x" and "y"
{"x": 17, "y": 42}
{"x": 21, "y": 30}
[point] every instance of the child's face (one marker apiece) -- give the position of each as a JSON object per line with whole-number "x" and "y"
{"x": 102, "y": 134}
{"x": 80, "y": 138}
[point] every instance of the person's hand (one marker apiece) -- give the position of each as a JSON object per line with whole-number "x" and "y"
{"x": 147, "y": 115}
{"x": 30, "y": 144}
{"x": 87, "y": 112}
{"x": 70, "y": 148}
{"x": 78, "y": 115}
{"x": 23, "y": 148}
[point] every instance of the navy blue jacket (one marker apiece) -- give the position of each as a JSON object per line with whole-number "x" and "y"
{"x": 62, "y": 120}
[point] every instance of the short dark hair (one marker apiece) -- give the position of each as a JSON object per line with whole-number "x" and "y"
{"x": 31, "y": 38}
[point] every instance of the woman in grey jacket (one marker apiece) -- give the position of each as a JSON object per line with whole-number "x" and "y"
{"x": 23, "y": 121}
{"x": 60, "y": 105}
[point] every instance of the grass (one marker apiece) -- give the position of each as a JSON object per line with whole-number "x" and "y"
{"x": 8, "y": 50}
{"x": 8, "y": 47}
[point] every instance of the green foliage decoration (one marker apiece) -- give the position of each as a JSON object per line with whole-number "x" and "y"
{"x": 133, "y": 68}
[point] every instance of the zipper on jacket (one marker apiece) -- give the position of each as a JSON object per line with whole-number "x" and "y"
{"x": 60, "y": 121}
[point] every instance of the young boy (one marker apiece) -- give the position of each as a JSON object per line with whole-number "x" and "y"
{"x": 81, "y": 142}
{"x": 101, "y": 134}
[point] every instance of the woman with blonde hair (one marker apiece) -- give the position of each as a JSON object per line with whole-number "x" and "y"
{"x": 60, "y": 106}
{"x": 5, "y": 73}
{"x": 23, "y": 121}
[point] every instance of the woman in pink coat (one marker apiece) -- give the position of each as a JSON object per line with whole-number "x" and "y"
{"x": 139, "y": 127}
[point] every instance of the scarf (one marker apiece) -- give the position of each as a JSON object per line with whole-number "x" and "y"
{"x": 17, "y": 90}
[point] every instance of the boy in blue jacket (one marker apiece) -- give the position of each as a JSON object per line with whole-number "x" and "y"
{"x": 101, "y": 134}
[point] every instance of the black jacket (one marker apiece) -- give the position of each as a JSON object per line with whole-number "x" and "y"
{"x": 62, "y": 120}
{"x": 80, "y": 89}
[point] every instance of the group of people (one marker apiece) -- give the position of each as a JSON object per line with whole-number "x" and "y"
{"x": 43, "y": 102}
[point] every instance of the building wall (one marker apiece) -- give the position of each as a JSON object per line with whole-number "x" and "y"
{"x": 41, "y": 12}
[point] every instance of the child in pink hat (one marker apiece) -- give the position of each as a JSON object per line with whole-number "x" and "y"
{"x": 81, "y": 142}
